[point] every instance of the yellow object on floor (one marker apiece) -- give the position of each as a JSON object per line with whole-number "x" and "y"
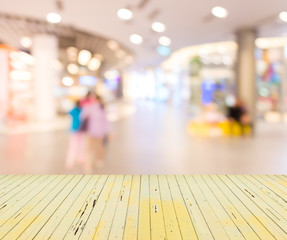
{"x": 219, "y": 129}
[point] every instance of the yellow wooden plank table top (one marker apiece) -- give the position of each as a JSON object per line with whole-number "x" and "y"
{"x": 144, "y": 207}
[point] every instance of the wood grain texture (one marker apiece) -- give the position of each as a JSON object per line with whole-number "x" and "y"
{"x": 143, "y": 207}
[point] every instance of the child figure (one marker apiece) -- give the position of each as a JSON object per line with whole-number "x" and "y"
{"x": 76, "y": 145}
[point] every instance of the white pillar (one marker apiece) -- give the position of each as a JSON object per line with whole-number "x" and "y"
{"x": 45, "y": 51}
{"x": 4, "y": 87}
{"x": 245, "y": 70}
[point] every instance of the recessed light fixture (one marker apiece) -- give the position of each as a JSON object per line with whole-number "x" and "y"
{"x": 136, "y": 39}
{"x": 73, "y": 68}
{"x": 26, "y": 42}
{"x": 219, "y": 12}
{"x": 54, "y": 17}
{"x": 158, "y": 27}
{"x": 112, "y": 45}
{"x": 94, "y": 64}
{"x": 67, "y": 81}
{"x": 120, "y": 53}
{"x": 84, "y": 57}
{"x": 283, "y": 16}
{"x": 164, "y": 41}
{"x": 125, "y": 14}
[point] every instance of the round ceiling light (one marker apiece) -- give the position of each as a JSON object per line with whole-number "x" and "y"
{"x": 120, "y": 53}
{"x": 94, "y": 64}
{"x": 219, "y": 12}
{"x": 136, "y": 39}
{"x": 26, "y": 42}
{"x": 158, "y": 27}
{"x": 72, "y": 53}
{"x": 73, "y": 68}
{"x": 84, "y": 57}
{"x": 125, "y": 14}
{"x": 67, "y": 81}
{"x": 164, "y": 41}
{"x": 112, "y": 45}
{"x": 54, "y": 17}
{"x": 283, "y": 16}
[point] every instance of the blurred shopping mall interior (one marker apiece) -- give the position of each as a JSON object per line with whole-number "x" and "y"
{"x": 168, "y": 72}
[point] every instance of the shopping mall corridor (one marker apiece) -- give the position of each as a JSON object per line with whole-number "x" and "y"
{"x": 152, "y": 140}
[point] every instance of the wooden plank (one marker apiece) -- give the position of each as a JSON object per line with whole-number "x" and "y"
{"x": 213, "y": 222}
{"x": 272, "y": 227}
{"x": 279, "y": 178}
{"x": 12, "y": 221}
{"x": 157, "y": 227}
{"x": 144, "y": 211}
{"x": 77, "y": 214}
{"x": 85, "y": 226}
{"x": 131, "y": 227}
{"x": 53, "y": 213}
{"x": 201, "y": 228}
{"x": 10, "y": 182}
{"x": 230, "y": 208}
{"x": 276, "y": 187}
{"x": 263, "y": 193}
{"x": 44, "y": 208}
{"x": 169, "y": 215}
{"x": 225, "y": 220}
{"x": 252, "y": 194}
{"x": 2, "y": 178}
{"x": 11, "y": 190}
{"x": 185, "y": 223}
{"x": 118, "y": 225}
{"x": 20, "y": 199}
{"x": 279, "y": 181}
{"x": 5, "y": 179}
{"x": 256, "y": 224}
{"x": 104, "y": 225}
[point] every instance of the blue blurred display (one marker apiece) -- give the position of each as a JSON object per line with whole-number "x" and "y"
{"x": 88, "y": 80}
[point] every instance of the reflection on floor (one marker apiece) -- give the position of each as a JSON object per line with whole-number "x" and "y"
{"x": 143, "y": 207}
{"x": 153, "y": 140}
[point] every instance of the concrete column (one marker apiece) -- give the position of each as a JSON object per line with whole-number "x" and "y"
{"x": 4, "y": 87}
{"x": 45, "y": 51}
{"x": 245, "y": 70}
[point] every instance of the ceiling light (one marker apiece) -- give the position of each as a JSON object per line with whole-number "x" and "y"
{"x": 73, "y": 68}
{"x": 72, "y": 53}
{"x": 128, "y": 59}
{"x": 219, "y": 12}
{"x": 112, "y": 45}
{"x": 164, "y": 41}
{"x": 84, "y": 57}
{"x": 98, "y": 56}
{"x": 67, "y": 81}
{"x": 283, "y": 16}
{"x": 125, "y": 14}
{"x": 164, "y": 51}
{"x": 54, "y": 17}
{"x": 136, "y": 39}
{"x": 120, "y": 54}
{"x": 158, "y": 27}
{"x": 26, "y": 42}
{"x": 20, "y": 75}
{"x": 94, "y": 64}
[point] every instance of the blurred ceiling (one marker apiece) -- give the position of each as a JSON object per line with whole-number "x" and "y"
{"x": 188, "y": 22}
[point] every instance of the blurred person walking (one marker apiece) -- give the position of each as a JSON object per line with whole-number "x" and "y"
{"x": 76, "y": 145}
{"x": 97, "y": 131}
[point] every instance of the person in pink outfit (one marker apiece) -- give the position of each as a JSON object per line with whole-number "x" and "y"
{"x": 97, "y": 130}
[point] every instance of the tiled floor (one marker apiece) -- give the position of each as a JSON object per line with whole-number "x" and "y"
{"x": 153, "y": 140}
{"x": 143, "y": 207}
